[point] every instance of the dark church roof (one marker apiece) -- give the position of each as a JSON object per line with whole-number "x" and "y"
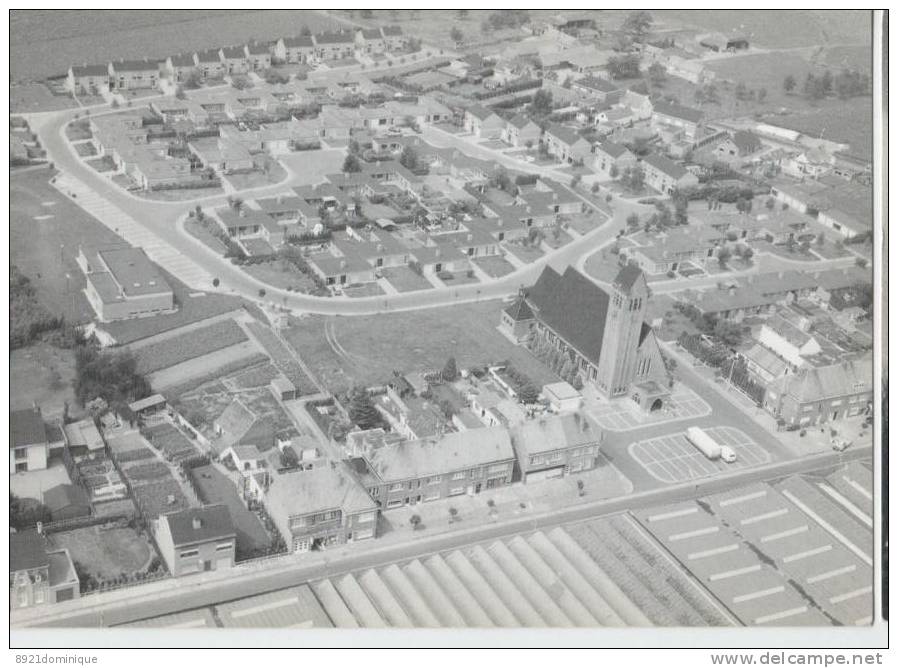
{"x": 573, "y": 307}
{"x": 520, "y": 310}
{"x": 628, "y": 276}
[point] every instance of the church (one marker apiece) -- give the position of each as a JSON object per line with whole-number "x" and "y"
{"x": 604, "y": 333}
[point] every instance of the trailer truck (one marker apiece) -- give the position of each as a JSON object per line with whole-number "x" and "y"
{"x": 708, "y": 446}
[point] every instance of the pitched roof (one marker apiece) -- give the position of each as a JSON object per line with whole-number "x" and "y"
{"x": 678, "y": 111}
{"x": 520, "y": 121}
{"x": 233, "y": 52}
{"x": 200, "y": 525}
{"x": 825, "y": 382}
{"x": 568, "y": 135}
{"x": 454, "y": 451}
{"x": 574, "y": 307}
{"x": 135, "y": 65}
{"x": 553, "y": 433}
{"x": 63, "y": 496}
{"x": 596, "y": 83}
{"x": 321, "y": 488}
{"x": 92, "y": 70}
{"x": 392, "y": 31}
{"x": 665, "y": 165}
{"x": 334, "y": 38}
{"x": 236, "y": 419}
{"x": 27, "y": 550}
{"x": 257, "y": 48}
{"x": 371, "y": 33}
{"x": 612, "y": 149}
{"x": 26, "y": 427}
{"x": 766, "y": 359}
{"x": 299, "y": 41}
{"x": 520, "y": 310}
{"x": 628, "y": 275}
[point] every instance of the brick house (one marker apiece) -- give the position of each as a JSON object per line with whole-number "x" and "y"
{"x": 38, "y": 576}
{"x": 608, "y": 154}
{"x": 180, "y": 67}
{"x": 300, "y": 49}
{"x": 665, "y": 175}
{"x": 196, "y": 540}
{"x": 482, "y": 122}
{"x": 258, "y": 56}
{"x": 133, "y": 74}
{"x": 87, "y": 79}
{"x": 29, "y": 443}
{"x": 566, "y": 144}
{"x": 553, "y": 447}
{"x": 520, "y": 130}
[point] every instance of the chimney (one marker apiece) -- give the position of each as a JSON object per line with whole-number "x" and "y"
{"x": 197, "y": 523}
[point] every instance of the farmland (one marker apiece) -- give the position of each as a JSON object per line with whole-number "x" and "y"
{"x": 344, "y": 351}
{"x": 172, "y": 443}
{"x": 283, "y": 359}
{"x": 175, "y": 350}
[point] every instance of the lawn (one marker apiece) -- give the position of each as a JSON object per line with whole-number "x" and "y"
{"x": 213, "y": 487}
{"x": 496, "y": 266}
{"x": 258, "y": 376}
{"x": 106, "y": 551}
{"x": 171, "y": 442}
{"x": 459, "y": 278}
{"x": 191, "y": 344}
{"x": 526, "y": 254}
{"x": 280, "y": 275}
{"x": 283, "y": 358}
{"x": 179, "y": 194}
{"x": 405, "y": 280}
{"x": 258, "y": 178}
{"x": 558, "y": 241}
{"x": 102, "y": 164}
{"x": 33, "y": 96}
{"x": 78, "y": 130}
{"x": 602, "y": 265}
{"x": 85, "y": 149}
{"x": 45, "y": 231}
{"x": 204, "y": 235}
{"x": 363, "y": 290}
{"x": 848, "y": 121}
{"x": 307, "y": 167}
{"x": 42, "y": 375}
{"x": 344, "y": 351}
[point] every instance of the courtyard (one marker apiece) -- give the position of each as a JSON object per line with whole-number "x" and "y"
{"x": 624, "y": 415}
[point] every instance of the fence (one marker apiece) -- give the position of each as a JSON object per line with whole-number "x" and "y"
{"x": 138, "y": 579}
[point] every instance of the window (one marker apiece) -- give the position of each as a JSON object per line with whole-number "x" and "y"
{"x": 434, "y": 479}
{"x": 221, "y": 547}
{"x": 21, "y": 453}
{"x": 395, "y": 503}
{"x": 459, "y": 475}
{"x": 455, "y": 491}
{"x": 364, "y": 518}
{"x": 397, "y": 487}
{"x": 497, "y": 468}
{"x": 189, "y": 553}
{"x": 39, "y": 594}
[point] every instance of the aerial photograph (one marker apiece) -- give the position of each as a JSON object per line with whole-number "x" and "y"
{"x": 448, "y": 319}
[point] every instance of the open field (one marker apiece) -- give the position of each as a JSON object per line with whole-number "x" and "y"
{"x": 283, "y": 358}
{"x": 214, "y": 487}
{"x": 280, "y": 274}
{"x": 343, "y": 351}
{"x": 203, "y": 365}
{"x": 42, "y": 374}
{"x": 495, "y": 266}
{"x": 836, "y": 120}
{"x": 35, "y": 96}
{"x": 45, "y": 230}
{"x": 106, "y": 551}
{"x": 187, "y": 346}
{"x": 46, "y": 42}
{"x": 306, "y": 167}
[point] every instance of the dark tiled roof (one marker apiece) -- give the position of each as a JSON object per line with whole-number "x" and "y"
{"x": 64, "y": 496}
{"x": 568, "y": 135}
{"x": 392, "y": 31}
{"x": 26, "y": 427}
{"x": 627, "y": 277}
{"x": 678, "y": 111}
{"x": 90, "y": 70}
{"x": 135, "y": 65}
{"x": 182, "y": 60}
{"x": 520, "y": 121}
{"x": 665, "y": 165}
{"x": 27, "y": 550}
{"x": 214, "y": 523}
{"x": 301, "y": 40}
{"x": 371, "y": 33}
{"x": 480, "y": 112}
{"x": 233, "y": 52}
{"x": 520, "y": 310}
{"x": 257, "y": 48}
{"x": 334, "y": 38}
{"x": 574, "y": 307}
{"x": 612, "y": 149}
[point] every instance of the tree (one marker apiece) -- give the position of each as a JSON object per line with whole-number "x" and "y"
{"x": 110, "y": 375}
{"x": 657, "y": 73}
{"x": 362, "y": 410}
{"x": 352, "y": 164}
{"x": 637, "y": 25}
{"x": 453, "y": 514}
{"x": 789, "y": 83}
{"x": 528, "y": 393}
{"x": 762, "y": 95}
{"x": 179, "y": 93}
{"x": 740, "y": 91}
{"x": 262, "y": 293}
{"x": 581, "y": 488}
{"x": 409, "y": 158}
{"x": 215, "y": 282}
{"x": 748, "y": 253}
{"x": 633, "y": 221}
{"x": 462, "y": 14}
{"x": 456, "y": 35}
{"x": 575, "y": 180}
{"x": 415, "y": 521}
{"x": 681, "y": 215}
{"x": 723, "y": 255}
{"x": 614, "y": 172}
{"x": 450, "y": 370}
{"x": 542, "y": 103}
{"x": 624, "y": 66}
{"x": 770, "y": 203}
{"x": 728, "y": 332}
{"x": 305, "y": 31}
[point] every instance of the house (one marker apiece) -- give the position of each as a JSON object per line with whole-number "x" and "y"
{"x": 394, "y": 38}
{"x": 282, "y": 388}
{"x": 29, "y": 445}
{"x": 738, "y": 148}
{"x": 244, "y": 457}
{"x": 148, "y": 406}
{"x": 718, "y": 42}
{"x": 234, "y": 59}
{"x": 765, "y": 366}
{"x": 122, "y": 283}
{"x": 601, "y": 91}
{"x": 370, "y": 40}
{"x": 67, "y": 502}
{"x": 299, "y": 49}
{"x": 258, "y": 56}
{"x": 180, "y": 67}
{"x": 788, "y": 341}
{"x": 844, "y": 206}
{"x": 665, "y": 175}
{"x": 196, "y": 540}
{"x": 482, "y": 122}
{"x": 440, "y": 257}
{"x": 517, "y": 319}
{"x": 562, "y": 397}
{"x": 520, "y": 131}
{"x": 224, "y": 155}
{"x": 616, "y": 118}
{"x": 335, "y": 45}
{"x": 818, "y": 395}
{"x": 88, "y": 79}
{"x": 83, "y": 437}
{"x": 209, "y": 64}
{"x": 456, "y": 463}
{"x": 133, "y": 74}
{"x": 566, "y": 144}
{"x": 668, "y": 251}
{"x": 676, "y": 119}
{"x": 608, "y": 155}
{"x": 321, "y": 507}
{"x": 603, "y": 333}
{"x": 234, "y": 422}
{"x": 813, "y": 163}
{"x": 38, "y": 576}
{"x": 556, "y": 446}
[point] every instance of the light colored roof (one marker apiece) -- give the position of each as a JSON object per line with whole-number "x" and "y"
{"x": 83, "y": 433}
{"x": 148, "y": 402}
{"x": 825, "y": 382}
{"x": 455, "y": 451}
{"x": 236, "y": 419}
{"x": 554, "y": 433}
{"x": 766, "y": 359}
{"x": 321, "y": 488}
{"x": 561, "y": 391}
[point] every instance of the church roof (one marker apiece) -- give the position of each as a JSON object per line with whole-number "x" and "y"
{"x": 520, "y": 310}
{"x": 628, "y": 276}
{"x": 574, "y": 307}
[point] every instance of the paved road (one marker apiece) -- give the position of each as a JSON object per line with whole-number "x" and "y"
{"x": 189, "y": 593}
{"x": 162, "y": 220}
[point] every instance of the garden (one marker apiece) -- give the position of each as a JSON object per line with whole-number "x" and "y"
{"x": 195, "y": 343}
{"x": 175, "y": 447}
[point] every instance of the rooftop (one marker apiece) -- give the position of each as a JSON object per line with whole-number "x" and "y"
{"x": 665, "y": 165}
{"x": 312, "y": 491}
{"x": 678, "y": 111}
{"x": 554, "y": 433}
{"x": 199, "y": 525}
{"x": 133, "y": 271}
{"x": 27, "y": 550}
{"x": 26, "y": 427}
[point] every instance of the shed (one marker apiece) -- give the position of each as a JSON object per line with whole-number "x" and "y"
{"x": 67, "y": 502}
{"x": 282, "y": 387}
{"x": 562, "y": 396}
{"x": 148, "y": 406}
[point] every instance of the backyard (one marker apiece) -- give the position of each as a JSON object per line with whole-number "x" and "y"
{"x": 213, "y": 487}
{"x": 528, "y": 253}
{"x": 280, "y": 274}
{"x": 345, "y": 351}
{"x": 496, "y": 266}
{"x": 107, "y": 550}
{"x": 404, "y": 279}
{"x": 42, "y": 375}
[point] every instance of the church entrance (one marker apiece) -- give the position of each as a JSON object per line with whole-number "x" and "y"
{"x": 656, "y": 406}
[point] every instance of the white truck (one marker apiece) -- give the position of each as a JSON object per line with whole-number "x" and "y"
{"x": 708, "y": 446}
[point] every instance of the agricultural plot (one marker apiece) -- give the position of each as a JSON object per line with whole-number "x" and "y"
{"x": 257, "y": 376}
{"x": 189, "y": 345}
{"x": 175, "y": 447}
{"x": 283, "y": 359}
{"x": 140, "y": 472}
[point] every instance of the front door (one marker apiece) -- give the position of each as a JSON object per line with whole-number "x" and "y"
{"x": 477, "y": 488}
{"x": 207, "y": 565}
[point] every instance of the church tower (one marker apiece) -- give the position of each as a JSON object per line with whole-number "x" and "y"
{"x": 627, "y": 303}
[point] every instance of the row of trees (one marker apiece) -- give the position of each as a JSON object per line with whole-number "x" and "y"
{"x": 564, "y": 365}
{"x": 846, "y": 84}
{"x": 29, "y": 320}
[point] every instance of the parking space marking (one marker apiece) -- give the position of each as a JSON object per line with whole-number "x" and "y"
{"x": 847, "y": 596}
{"x": 846, "y": 504}
{"x": 832, "y": 574}
{"x": 673, "y": 513}
{"x": 807, "y": 553}
{"x": 263, "y": 607}
{"x": 859, "y": 487}
{"x": 726, "y": 575}
{"x": 828, "y": 527}
{"x": 781, "y": 615}
{"x": 758, "y": 594}
{"x": 693, "y": 534}
{"x": 714, "y": 552}
{"x": 744, "y": 497}
{"x": 784, "y": 534}
{"x": 765, "y": 516}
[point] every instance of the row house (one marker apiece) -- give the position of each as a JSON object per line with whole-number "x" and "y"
{"x": 668, "y": 251}
{"x": 133, "y": 74}
{"x": 520, "y": 131}
{"x": 209, "y": 64}
{"x": 180, "y": 67}
{"x": 738, "y": 148}
{"x": 676, "y": 120}
{"x": 394, "y": 38}
{"x": 222, "y": 154}
{"x": 599, "y": 90}
{"x": 665, "y": 175}
{"x": 609, "y": 155}
{"x": 556, "y": 446}
{"x": 38, "y": 575}
{"x": 483, "y": 122}
{"x": 320, "y": 507}
{"x": 788, "y": 341}
{"x": 334, "y": 45}
{"x": 566, "y": 144}
{"x": 196, "y": 540}
{"x": 300, "y": 49}
{"x": 370, "y": 40}
{"x": 258, "y": 56}
{"x": 454, "y": 464}
{"x": 234, "y": 60}
{"x": 87, "y": 79}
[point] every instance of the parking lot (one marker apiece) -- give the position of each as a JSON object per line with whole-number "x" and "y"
{"x": 673, "y": 458}
{"x": 624, "y": 414}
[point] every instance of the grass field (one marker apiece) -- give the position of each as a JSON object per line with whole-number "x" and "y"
{"x": 344, "y": 351}
{"x": 280, "y": 275}
{"x": 45, "y": 230}
{"x": 195, "y": 343}
{"x": 495, "y": 266}
{"x": 214, "y": 487}
{"x": 105, "y": 551}
{"x": 405, "y": 280}
{"x": 42, "y": 375}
